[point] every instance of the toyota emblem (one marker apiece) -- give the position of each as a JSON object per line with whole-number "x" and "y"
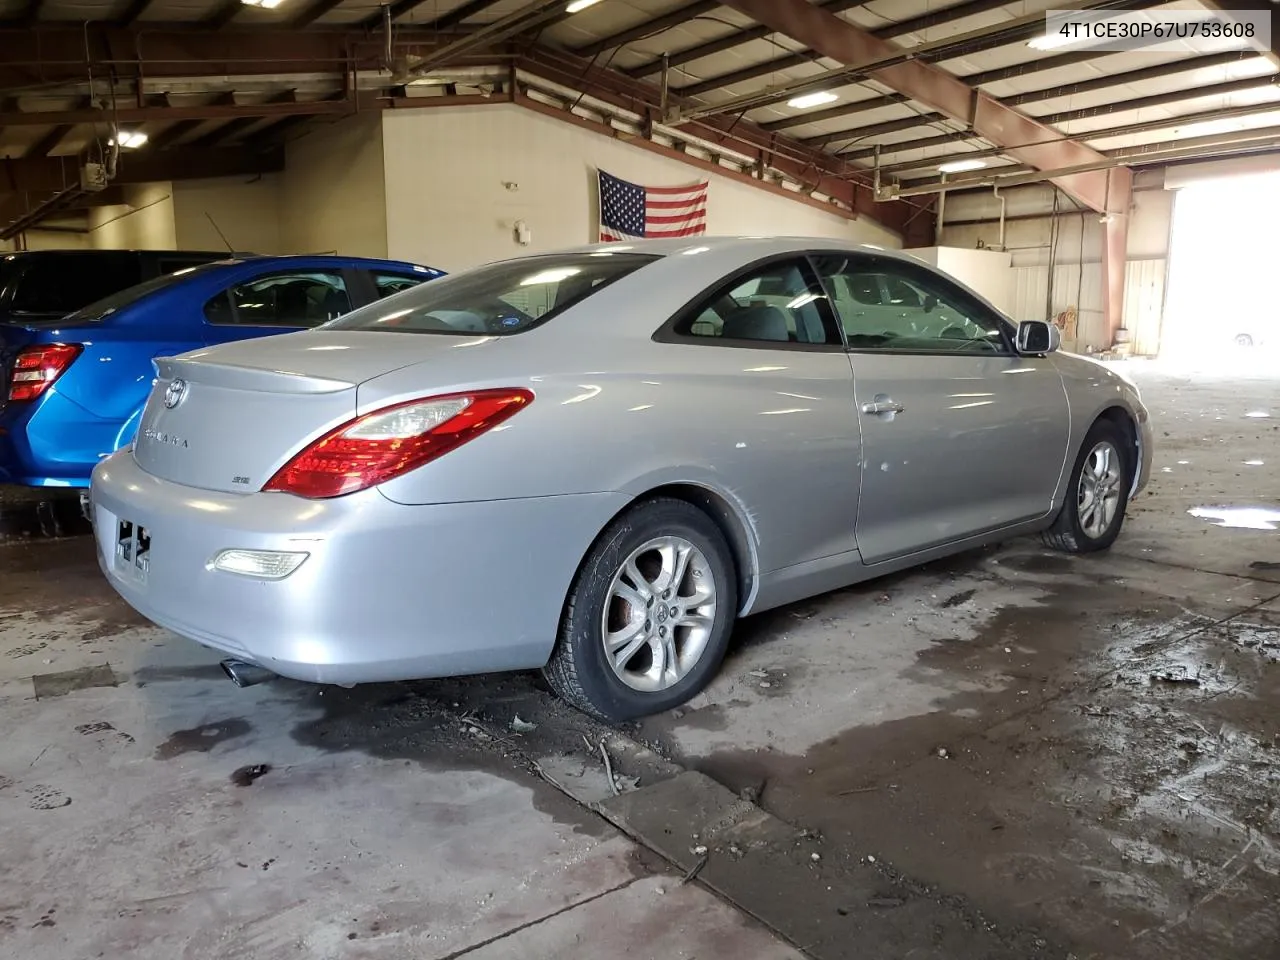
{"x": 175, "y": 393}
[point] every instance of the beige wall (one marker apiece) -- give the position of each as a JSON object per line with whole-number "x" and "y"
{"x": 143, "y": 222}
{"x": 448, "y": 203}
{"x": 50, "y": 240}
{"x": 986, "y": 271}
{"x": 247, "y": 211}
{"x": 333, "y": 198}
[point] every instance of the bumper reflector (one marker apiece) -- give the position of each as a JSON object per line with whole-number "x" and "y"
{"x": 263, "y": 564}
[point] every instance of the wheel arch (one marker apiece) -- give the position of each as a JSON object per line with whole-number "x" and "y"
{"x": 724, "y": 511}
{"x": 1127, "y": 423}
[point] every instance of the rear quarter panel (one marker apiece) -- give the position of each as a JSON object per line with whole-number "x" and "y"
{"x": 772, "y": 432}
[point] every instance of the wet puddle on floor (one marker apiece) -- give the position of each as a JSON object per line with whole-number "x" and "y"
{"x": 1108, "y": 771}
{"x": 1242, "y": 518}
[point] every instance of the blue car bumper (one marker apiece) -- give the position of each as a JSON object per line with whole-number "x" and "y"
{"x": 52, "y": 442}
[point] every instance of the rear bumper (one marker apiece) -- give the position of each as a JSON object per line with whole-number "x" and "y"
{"x": 52, "y": 442}
{"x": 388, "y": 591}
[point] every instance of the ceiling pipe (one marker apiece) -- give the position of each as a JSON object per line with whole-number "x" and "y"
{"x": 518, "y": 21}
{"x": 995, "y": 190}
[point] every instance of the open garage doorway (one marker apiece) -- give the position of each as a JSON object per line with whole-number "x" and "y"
{"x": 1219, "y": 308}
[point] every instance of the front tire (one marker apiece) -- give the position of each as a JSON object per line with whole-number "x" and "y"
{"x": 647, "y": 621}
{"x": 1097, "y": 495}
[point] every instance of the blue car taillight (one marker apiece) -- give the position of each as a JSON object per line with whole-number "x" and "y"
{"x": 37, "y": 367}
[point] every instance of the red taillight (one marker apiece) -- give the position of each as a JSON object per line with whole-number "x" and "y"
{"x": 37, "y": 367}
{"x": 386, "y": 443}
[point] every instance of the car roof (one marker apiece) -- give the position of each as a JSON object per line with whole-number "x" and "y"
{"x": 312, "y": 258}
{"x": 759, "y": 245}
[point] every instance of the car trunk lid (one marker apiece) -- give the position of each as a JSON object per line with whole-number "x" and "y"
{"x": 227, "y": 418}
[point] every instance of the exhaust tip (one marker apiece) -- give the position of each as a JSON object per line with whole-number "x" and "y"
{"x": 244, "y": 674}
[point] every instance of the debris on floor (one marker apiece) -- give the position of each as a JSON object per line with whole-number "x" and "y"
{"x": 248, "y": 774}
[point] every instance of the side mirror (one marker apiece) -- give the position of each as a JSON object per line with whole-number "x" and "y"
{"x": 1036, "y": 338}
{"x": 930, "y": 301}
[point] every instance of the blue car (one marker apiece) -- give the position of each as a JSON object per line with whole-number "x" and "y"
{"x": 72, "y": 389}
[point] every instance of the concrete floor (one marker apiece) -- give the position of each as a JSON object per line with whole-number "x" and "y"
{"x": 1010, "y": 754}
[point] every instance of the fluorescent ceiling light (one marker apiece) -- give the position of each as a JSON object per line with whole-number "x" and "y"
{"x": 813, "y": 99}
{"x": 554, "y": 275}
{"x": 131, "y": 139}
{"x": 577, "y": 5}
{"x": 960, "y": 166}
{"x": 264, "y": 4}
{"x": 1049, "y": 41}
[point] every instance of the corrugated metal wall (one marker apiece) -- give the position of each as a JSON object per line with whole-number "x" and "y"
{"x": 1080, "y": 286}
{"x": 1144, "y": 304}
{"x": 1073, "y": 286}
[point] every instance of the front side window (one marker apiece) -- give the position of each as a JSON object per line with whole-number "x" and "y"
{"x": 781, "y": 303}
{"x": 915, "y": 310}
{"x": 499, "y": 299}
{"x": 294, "y": 298}
{"x": 389, "y": 283}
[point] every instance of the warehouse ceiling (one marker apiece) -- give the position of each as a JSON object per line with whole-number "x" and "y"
{"x": 216, "y": 86}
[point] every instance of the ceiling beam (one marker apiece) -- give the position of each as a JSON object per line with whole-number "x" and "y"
{"x": 965, "y": 44}
{"x": 1229, "y": 7}
{"x": 225, "y": 132}
{"x": 915, "y": 24}
{"x": 51, "y": 174}
{"x": 53, "y": 53}
{"x": 30, "y": 13}
{"x": 1045, "y": 93}
{"x": 209, "y": 111}
{"x": 46, "y": 144}
{"x": 1050, "y": 119}
{"x": 727, "y": 42}
{"x": 648, "y": 28}
{"x": 933, "y": 87}
{"x": 129, "y": 16}
{"x": 446, "y": 21}
{"x": 312, "y": 12}
{"x": 819, "y": 172}
{"x": 223, "y": 15}
{"x": 172, "y": 134}
{"x": 1129, "y": 129}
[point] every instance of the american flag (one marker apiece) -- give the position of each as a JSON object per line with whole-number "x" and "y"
{"x": 629, "y": 211}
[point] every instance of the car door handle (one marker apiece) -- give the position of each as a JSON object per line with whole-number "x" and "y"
{"x": 882, "y": 404}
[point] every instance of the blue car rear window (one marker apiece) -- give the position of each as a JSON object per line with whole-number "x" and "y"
{"x": 101, "y": 309}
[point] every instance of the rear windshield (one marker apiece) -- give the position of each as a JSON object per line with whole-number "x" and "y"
{"x": 495, "y": 300}
{"x": 50, "y": 285}
{"x": 101, "y": 309}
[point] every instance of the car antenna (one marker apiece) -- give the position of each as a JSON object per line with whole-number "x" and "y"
{"x": 227, "y": 243}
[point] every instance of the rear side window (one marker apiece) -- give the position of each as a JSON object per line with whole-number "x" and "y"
{"x": 296, "y": 298}
{"x": 63, "y": 283}
{"x": 389, "y": 283}
{"x": 778, "y": 303}
{"x": 498, "y": 299}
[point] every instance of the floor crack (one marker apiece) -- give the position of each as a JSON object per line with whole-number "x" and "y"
{"x": 540, "y": 920}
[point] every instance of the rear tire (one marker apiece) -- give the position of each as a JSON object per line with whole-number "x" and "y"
{"x": 1244, "y": 340}
{"x": 648, "y": 618}
{"x": 1097, "y": 493}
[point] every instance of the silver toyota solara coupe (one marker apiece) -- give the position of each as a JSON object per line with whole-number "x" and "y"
{"x": 592, "y": 462}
